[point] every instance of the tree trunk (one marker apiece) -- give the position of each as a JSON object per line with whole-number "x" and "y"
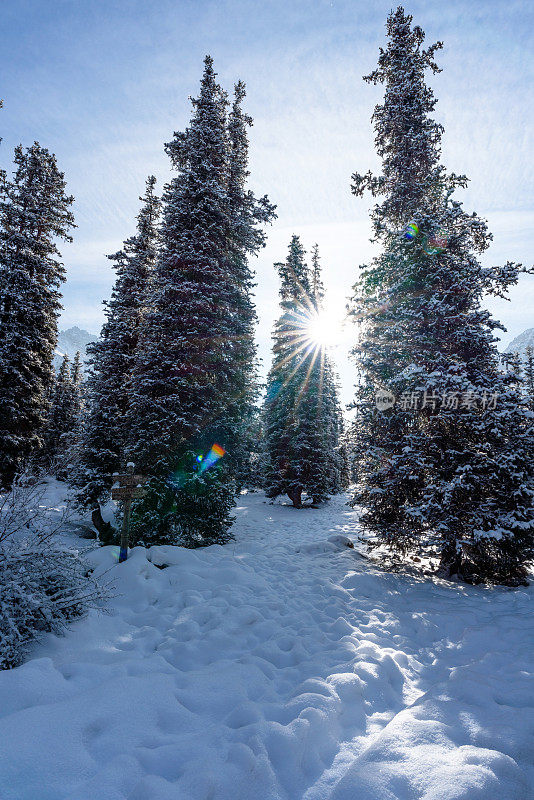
{"x": 106, "y": 531}
{"x": 296, "y": 498}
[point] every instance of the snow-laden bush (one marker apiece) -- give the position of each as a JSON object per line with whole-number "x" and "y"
{"x": 43, "y": 585}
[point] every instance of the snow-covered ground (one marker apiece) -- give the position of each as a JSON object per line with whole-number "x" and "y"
{"x": 282, "y": 665}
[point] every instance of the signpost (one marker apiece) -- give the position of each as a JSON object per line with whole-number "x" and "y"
{"x": 130, "y": 487}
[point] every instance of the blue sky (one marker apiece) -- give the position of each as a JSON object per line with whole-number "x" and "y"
{"x": 104, "y": 84}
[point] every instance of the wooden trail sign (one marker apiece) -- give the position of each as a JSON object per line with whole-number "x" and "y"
{"x": 127, "y": 493}
{"x": 129, "y": 479}
{"x": 130, "y": 488}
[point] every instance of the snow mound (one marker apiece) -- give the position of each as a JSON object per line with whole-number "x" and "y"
{"x": 342, "y": 541}
{"x": 331, "y": 545}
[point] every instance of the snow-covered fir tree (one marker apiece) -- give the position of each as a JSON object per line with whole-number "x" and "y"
{"x": 194, "y": 375}
{"x": 77, "y": 380}
{"x": 78, "y": 414}
{"x": 112, "y": 357}
{"x": 447, "y": 469}
{"x": 245, "y": 236}
{"x": 329, "y": 384}
{"x": 65, "y": 417}
{"x": 316, "y": 281}
{"x": 339, "y": 470}
{"x": 34, "y": 214}
{"x": 301, "y": 413}
{"x": 61, "y": 415}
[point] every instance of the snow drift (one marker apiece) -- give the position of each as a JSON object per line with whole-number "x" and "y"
{"x": 281, "y": 666}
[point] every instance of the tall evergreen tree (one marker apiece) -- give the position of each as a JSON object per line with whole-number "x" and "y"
{"x": 112, "y": 357}
{"x": 339, "y": 470}
{"x": 245, "y": 236}
{"x": 334, "y": 426}
{"x": 446, "y": 469}
{"x": 63, "y": 418}
{"x": 194, "y": 373}
{"x": 76, "y": 376}
{"x": 316, "y": 282}
{"x": 78, "y": 414}
{"x": 34, "y": 213}
{"x": 300, "y": 413}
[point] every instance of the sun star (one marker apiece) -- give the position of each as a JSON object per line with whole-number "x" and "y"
{"x": 323, "y": 328}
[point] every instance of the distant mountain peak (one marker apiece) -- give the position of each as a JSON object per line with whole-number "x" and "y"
{"x": 521, "y": 342}
{"x": 75, "y": 329}
{"x": 70, "y": 341}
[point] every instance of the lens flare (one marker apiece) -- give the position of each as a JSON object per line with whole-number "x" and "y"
{"x": 431, "y": 244}
{"x": 180, "y": 477}
{"x": 213, "y": 456}
{"x": 411, "y": 231}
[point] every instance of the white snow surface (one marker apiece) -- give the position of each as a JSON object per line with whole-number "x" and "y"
{"x": 282, "y": 665}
